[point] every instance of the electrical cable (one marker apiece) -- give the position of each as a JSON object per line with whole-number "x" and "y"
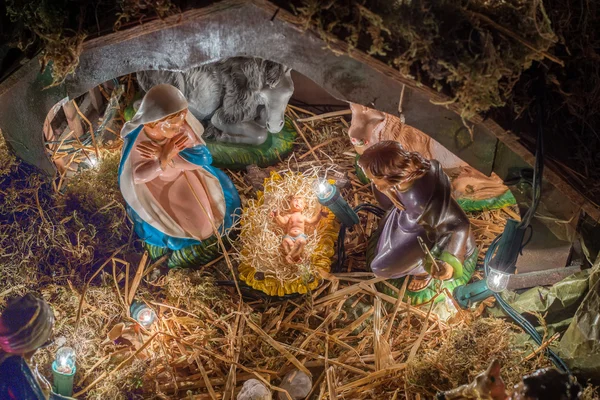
{"x": 518, "y": 318}
{"x": 538, "y": 173}
{"x": 341, "y": 254}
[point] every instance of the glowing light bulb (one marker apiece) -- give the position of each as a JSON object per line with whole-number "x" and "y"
{"x": 65, "y": 360}
{"x": 143, "y": 314}
{"x": 497, "y": 281}
{"x": 145, "y": 317}
{"x": 322, "y": 188}
{"x": 90, "y": 161}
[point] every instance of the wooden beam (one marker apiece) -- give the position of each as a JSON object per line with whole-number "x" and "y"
{"x": 96, "y": 98}
{"x": 160, "y": 24}
{"x": 540, "y": 278}
{"x": 73, "y": 119}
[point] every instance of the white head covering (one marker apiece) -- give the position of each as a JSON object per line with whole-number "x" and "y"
{"x": 160, "y": 102}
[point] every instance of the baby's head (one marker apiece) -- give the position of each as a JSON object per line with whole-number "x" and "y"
{"x": 297, "y": 203}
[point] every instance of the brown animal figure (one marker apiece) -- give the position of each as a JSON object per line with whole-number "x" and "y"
{"x": 486, "y": 386}
{"x": 370, "y": 126}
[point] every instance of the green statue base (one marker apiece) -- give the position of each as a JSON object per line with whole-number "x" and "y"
{"x": 425, "y": 295}
{"x": 188, "y": 257}
{"x": 238, "y": 156}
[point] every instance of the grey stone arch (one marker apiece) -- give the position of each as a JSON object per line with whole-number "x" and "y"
{"x": 224, "y": 30}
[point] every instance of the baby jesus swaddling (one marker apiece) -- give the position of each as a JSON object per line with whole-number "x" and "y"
{"x": 294, "y": 224}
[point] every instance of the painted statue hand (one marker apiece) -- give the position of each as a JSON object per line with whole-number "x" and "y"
{"x": 445, "y": 271}
{"x": 172, "y": 148}
{"x": 149, "y": 149}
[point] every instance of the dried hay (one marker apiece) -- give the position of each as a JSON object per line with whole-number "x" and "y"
{"x": 260, "y": 240}
{"x": 453, "y": 47}
{"x": 7, "y": 160}
{"x": 357, "y": 343}
{"x": 462, "y": 348}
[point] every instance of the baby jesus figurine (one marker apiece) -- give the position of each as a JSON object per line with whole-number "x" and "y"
{"x": 294, "y": 224}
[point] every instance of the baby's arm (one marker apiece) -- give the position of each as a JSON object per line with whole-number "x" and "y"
{"x": 322, "y": 213}
{"x": 279, "y": 220}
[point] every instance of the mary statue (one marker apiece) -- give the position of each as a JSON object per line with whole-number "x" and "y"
{"x": 175, "y": 198}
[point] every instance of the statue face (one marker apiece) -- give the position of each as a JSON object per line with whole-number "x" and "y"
{"x": 167, "y": 127}
{"x": 366, "y": 123}
{"x": 297, "y": 204}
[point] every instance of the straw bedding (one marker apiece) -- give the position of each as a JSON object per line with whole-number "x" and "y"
{"x": 356, "y": 343}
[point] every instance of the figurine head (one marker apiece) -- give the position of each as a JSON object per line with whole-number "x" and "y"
{"x": 166, "y": 127}
{"x": 26, "y": 325}
{"x": 275, "y": 92}
{"x": 486, "y": 385}
{"x": 548, "y": 384}
{"x": 388, "y": 166}
{"x": 366, "y": 126}
{"x": 162, "y": 110}
{"x": 490, "y": 382}
{"x": 297, "y": 203}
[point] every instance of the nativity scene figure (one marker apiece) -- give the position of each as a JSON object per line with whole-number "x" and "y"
{"x": 175, "y": 198}
{"x": 242, "y": 99}
{"x": 422, "y": 213}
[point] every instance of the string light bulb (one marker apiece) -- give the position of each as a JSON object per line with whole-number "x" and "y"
{"x": 143, "y": 314}
{"x": 329, "y": 196}
{"x": 63, "y": 371}
{"x": 65, "y": 360}
{"x": 497, "y": 281}
{"x": 322, "y": 188}
{"x": 92, "y": 161}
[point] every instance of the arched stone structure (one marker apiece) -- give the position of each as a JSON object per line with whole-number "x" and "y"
{"x": 209, "y": 34}
{"x": 245, "y": 28}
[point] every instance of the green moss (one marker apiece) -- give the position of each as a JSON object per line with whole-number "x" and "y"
{"x": 448, "y": 45}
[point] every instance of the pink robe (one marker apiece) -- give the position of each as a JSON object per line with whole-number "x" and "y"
{"x": 181, "y": 188}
